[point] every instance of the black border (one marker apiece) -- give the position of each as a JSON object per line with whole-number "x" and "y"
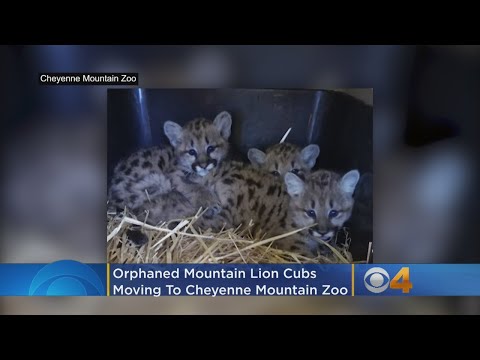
{"x": 312, "y": 27}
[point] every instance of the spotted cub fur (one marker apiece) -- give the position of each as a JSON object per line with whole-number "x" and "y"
{"x": 170, "y": 182}
{"x": 141, "y": 177}
{"x": 323, "y": 201}
{"x": 283, "y": 158}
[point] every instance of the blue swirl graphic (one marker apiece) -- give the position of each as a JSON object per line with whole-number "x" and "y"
{"x": 66, "y": 278}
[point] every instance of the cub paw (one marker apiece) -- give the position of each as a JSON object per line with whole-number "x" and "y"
{"x": 137, "y": 237}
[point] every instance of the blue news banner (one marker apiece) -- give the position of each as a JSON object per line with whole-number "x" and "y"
{"x": 72, "y": 278}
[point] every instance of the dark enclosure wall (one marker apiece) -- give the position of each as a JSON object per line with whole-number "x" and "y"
{"x": 339, "y": 123}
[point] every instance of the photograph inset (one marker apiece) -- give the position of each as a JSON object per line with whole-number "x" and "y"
{"x": 239, "y": 176}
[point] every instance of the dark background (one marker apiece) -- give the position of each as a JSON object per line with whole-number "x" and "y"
{"x": 340, "y": 124}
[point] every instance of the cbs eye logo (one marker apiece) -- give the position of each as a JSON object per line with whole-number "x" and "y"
{"x": 377, "y": 280}
{"x": 66, "y": 278}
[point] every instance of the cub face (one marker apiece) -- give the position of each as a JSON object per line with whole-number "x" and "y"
{"x": 324, "y": 199}
{"x": 201, "y": 145}
{"x": 283, "y": 158}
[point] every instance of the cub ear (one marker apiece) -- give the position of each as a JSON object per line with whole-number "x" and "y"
{"x": 309, "y": 154}
{"x": 223, "y": 122}
{"x": 174, "y": 132}
{"x": 295, "y": 185}
{"x": 256, "y": 157}
{"x": 349, "y": 181}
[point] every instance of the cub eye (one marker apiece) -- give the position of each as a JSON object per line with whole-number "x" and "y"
{"x": 276, "y": 173}
{"x": 295, "y": 171}
{"x": 312, "y": 214}
{"x": 332, "y": 214}
{"x": 192, "y": 152}
{"x": 210, "y": 149}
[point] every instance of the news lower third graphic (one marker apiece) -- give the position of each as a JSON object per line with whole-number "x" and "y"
{"x": 60, "y": 278}
{"x": 72, "y": 278}
{"x": 417, "y": 280}
{"x": 231, "y": 280}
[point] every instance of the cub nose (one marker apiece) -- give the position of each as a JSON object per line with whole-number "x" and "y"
{"x": 318, "y": 232}
{"x": 323, "y": 234}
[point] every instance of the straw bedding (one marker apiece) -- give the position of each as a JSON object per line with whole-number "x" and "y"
{"x": 179, "y": 241}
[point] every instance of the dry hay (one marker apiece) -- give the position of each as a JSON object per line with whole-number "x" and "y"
{"x": 187, "y": 244}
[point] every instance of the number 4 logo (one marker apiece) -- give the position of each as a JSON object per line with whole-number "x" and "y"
{"x": 401, "y": 281}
